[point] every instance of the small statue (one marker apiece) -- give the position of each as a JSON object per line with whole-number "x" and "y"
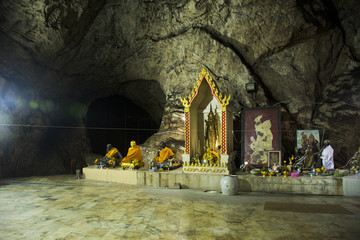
{"x": 274, "y": 168}
{"x": 210, "y": 157}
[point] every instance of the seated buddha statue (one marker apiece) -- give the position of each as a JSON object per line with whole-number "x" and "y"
{"x": 134, "y": 153}
{"x": 210, "y": 157}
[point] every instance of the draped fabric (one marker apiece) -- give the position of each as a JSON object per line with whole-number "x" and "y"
{"x": 327, "y": 157}
{"x": 111, "y": 153}
{"x": 164, "y": 154}
{"x": 134, "y": 153}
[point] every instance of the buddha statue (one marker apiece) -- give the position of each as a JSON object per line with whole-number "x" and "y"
{"x": 211, "y": 132}
{"x": 210, "y": 157}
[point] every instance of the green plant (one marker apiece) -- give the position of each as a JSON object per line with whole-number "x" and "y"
{"x": 339, "y": 174}
{"x": 264, "y": 168}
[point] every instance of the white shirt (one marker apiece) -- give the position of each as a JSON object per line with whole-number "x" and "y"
{"x": 327, "y": 157}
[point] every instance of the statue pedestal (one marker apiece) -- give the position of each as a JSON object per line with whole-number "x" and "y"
{"x": 186, "y": 158}
{"x": 198, "y": 169}
{"x": 224, "y": 158}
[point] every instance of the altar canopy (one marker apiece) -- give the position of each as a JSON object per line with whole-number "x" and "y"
{"x": 208, "y": 120}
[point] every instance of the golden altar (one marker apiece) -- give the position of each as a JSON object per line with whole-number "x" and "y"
{"x": 205, "y": 106}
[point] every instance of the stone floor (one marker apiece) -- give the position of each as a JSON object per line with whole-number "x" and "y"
{"x": 60, "y": 207}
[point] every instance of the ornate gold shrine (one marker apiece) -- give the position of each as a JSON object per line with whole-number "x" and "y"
{"x": 205, "y": 98}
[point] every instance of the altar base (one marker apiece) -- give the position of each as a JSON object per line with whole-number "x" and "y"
{"x": 117, "y": 175}
{"x": 319, "y": 185}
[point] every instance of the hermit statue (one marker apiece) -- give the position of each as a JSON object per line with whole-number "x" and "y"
{"x": 211, "y": 132}
{"x": 355, "y": 160}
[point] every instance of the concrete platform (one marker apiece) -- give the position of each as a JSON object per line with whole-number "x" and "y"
{"x": 351, "y": 185}
{"x": 116, "y": 175}
{"x": 318, "y": 185}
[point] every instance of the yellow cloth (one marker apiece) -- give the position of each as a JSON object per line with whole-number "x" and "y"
{"x": 111, "y": 153}
{"x": 164, "y": 154}
{"x": 134, "y": 153}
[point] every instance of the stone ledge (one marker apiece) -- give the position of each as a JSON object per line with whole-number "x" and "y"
{"x": 319, "y": 185}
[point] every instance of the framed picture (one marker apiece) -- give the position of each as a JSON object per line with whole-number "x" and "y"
{"x": 260, "y": 128}
{"x": 274, "y": 158}
{"x": 308, "y": 140}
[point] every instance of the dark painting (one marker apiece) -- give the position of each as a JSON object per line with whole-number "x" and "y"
{"x": 260, "y": 134}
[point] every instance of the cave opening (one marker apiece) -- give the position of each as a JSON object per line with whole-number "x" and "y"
{"x": 117, "y": 120}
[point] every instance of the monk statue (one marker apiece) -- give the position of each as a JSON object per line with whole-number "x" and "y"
{"x": 211, "y": 132}
{"x": 164, "y": 155}
{"x": 111, "y": 158}
{"x": 134, "y": 153}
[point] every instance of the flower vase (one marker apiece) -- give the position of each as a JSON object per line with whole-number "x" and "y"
{"x": 286, "y": 174}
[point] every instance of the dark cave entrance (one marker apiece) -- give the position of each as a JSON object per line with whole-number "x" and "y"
{"x": 117, "y": 120}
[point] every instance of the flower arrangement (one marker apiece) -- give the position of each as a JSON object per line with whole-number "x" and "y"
{"x": 242, "y": 167}
{"x": 111, "y": 162}
{"x": 291, "y": 159}
{"x": 264, "y": 169}
{"x": 294, "y": 174}
{"x": 285, "y": 170}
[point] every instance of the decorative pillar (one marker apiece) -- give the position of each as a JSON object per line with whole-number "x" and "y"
{"x": 223, "y": 131}
{"x": 187, "y": 130}
{"x": 224, "y": 103}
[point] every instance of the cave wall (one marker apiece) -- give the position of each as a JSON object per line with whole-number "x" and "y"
{"x": 63, "y": 55}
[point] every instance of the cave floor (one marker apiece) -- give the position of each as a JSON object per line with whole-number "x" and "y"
{"x": 61, "y": 207}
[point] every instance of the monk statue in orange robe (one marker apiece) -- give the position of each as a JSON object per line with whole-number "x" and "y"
{"x": 134, "y": 153}
{"x": 111, "y": 158}
{"x": 164, "y": 154}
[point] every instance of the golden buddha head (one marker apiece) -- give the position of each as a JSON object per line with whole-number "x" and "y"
{"x": 132, "y": 143}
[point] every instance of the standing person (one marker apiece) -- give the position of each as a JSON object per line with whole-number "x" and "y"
{"x": 327, "y": 156}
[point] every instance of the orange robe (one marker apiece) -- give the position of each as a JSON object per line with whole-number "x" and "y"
{"x": 111, "y": 153}
{"x": 164, "y": 154}
{"x": 134, "y": 153}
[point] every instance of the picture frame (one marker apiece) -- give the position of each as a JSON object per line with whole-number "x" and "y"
{"x": 274, "y": 157}
{"x": 307, "y": 137}
{"x": 260, "y": 132}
